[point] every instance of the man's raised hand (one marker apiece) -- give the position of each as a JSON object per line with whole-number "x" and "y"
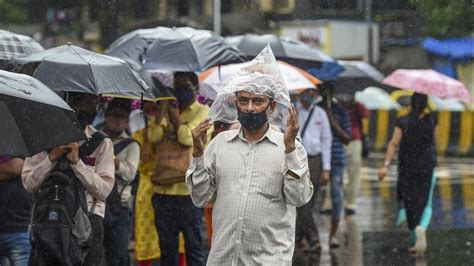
{"x": 200, "y": 137}
{"x": 291, "y": 130}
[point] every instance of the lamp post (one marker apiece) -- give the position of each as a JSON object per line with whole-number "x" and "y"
{"x": 368, "y": 18}
{"x": 217, "y": 16}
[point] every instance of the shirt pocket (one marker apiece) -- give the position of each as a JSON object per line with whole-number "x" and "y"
{"x": 267, "y": 181}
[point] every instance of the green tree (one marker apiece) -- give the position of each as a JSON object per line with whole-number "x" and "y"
{"x": 11, "y": 12}
{"x": 446, "y": 18}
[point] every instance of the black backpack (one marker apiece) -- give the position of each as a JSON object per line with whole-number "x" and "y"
{"x": 114, "y": 202}
{"x": 60, "y": 227}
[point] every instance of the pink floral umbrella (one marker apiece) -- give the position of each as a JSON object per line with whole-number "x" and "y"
{"x": 430, "y": 82}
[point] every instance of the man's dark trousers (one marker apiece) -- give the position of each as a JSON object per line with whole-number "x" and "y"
{"x": 116, "y": 237}
{"x": 305, "y": 225}
{"x": 174, "y": 214}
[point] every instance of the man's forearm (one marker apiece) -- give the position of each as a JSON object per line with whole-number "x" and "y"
{"x": 346, "y": 138}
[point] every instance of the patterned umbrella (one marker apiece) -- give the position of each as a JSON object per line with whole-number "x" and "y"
{"x": 430, "y": 82}
{"x": 12, "y": 44}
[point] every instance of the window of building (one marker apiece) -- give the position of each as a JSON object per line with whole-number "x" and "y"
{"x": 183, "y": 8}
{"x": 227, "y": 6}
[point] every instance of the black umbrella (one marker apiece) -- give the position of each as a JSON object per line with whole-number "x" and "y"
{"x": 357, "y": 76}
{"x": 285, "y": 49}
{"x": 159, "y": 90}
{"x": 34, "y": 118}
{"x": 191, "y": 50}
{"x": 12, "y": 44}
{"x": 132, "y": 46}
{"x": 71, "y": 68}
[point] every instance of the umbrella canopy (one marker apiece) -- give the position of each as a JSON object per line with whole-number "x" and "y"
{"x": 160, "y": 91}
{"x": 292, "y": 51}
{"x": 286, "y": 49}
{"x": 34, "y": 118}
{"x": 357, "y": 76}
{"x": 12, "y": 44}
{"x": 374, "y": 98}
{"x": 403, "y": 97}
{"x": 430, "y": 82}
{"x": 456, "y": 48}
{"x": 191, "y": 50}
{"x": 447, "y": 104}
{"x": 132, "y": 46}
{"x": 71, "y": 68}
{"x": 217, "y": 78}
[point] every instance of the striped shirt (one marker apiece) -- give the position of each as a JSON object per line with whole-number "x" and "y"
{"x": 338, "y": 156}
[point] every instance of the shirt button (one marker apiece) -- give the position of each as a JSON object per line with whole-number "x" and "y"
{"x": 240, "y": 218}
{"x": 237, "y": 242}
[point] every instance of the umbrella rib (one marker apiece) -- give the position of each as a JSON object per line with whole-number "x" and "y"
{"x": 197, "y": 55}
{"x": 89, "y": 64}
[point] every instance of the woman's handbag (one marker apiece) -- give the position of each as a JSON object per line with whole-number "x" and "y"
{"x": 172, "y": 162}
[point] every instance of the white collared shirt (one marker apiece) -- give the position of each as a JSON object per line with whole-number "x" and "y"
{"x": 317, "y": 138}
{"x": 255, "y": 197}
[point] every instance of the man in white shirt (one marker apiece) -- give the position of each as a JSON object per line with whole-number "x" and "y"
{"x": 255, "y": 176}
{"x": 317, "y": 138}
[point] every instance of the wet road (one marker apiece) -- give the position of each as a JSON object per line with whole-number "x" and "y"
{"x": 371, "y": 237}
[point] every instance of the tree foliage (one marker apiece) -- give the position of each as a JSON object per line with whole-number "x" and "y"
{"x": 11, "y": 12}
{"x": 446, "y": 18}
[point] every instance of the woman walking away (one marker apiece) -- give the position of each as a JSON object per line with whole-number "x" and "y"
{"x": 414, "y": 136}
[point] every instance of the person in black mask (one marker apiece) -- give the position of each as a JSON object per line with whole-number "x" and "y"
{"x": 253, "y": 111}
{"x": 96, "y": 171}
{"x": 414, "y": 138}
{"x": 174, "y": 211}
{"x": 255, "y": 176}
{"x": 85, "y": 106}
{"x": 186, "y": 86}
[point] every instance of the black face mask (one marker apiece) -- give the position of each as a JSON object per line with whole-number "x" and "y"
{"x": 252, "y": 121}
{"x": 85, "y": 118}
{"x": 184, "y": 95}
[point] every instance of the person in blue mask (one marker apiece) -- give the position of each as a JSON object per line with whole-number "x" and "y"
{"x": 316, "y": 137}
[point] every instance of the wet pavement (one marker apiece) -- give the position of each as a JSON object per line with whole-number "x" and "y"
{"x": 371, "y": 237}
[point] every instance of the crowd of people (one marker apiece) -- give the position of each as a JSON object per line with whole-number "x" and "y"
{"x": 146, "y": 189}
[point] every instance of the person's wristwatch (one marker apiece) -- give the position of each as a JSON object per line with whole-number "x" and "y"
{"x": 386, "y": 164}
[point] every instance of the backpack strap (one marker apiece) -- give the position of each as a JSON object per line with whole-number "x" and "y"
{"x": 121, "y": 145}
{"x": 87, "y": 149}
{"x": 306, "y": 123}
{"x": 91, "y": 144}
